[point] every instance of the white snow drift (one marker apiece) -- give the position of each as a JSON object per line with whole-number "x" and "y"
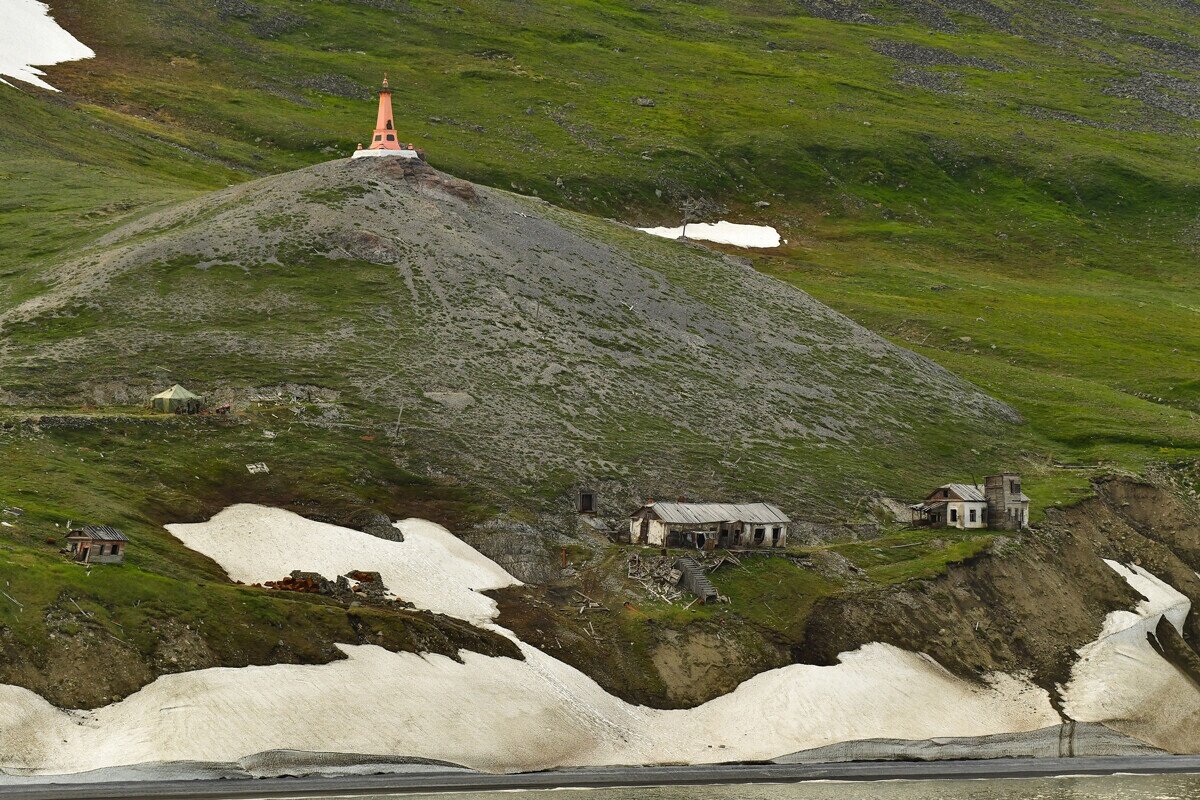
{"x": 431, "y": 568}
{"x": 500, "y": 714}
{"x": 722, "y": 233}
{"x": 29, "y": 36}
{"x": 1121, "y": 681}
{"x": 489, "y": 713}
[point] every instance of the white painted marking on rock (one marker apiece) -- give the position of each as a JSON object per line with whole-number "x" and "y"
{"x": 29, "y": 38}
{"x": 722, "y": 233}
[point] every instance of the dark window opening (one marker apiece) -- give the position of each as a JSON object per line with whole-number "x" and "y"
{"x": 954, "y": 515}
{"x": 759, "y": 535}
{"x": 775, "y": 534}
{"x": 391, "y": 137}
{"x": 973, "y": 513}
{"x": 587, "y": 503}
{"x": 379, "y": 138}
{"x": 389, "y": 124}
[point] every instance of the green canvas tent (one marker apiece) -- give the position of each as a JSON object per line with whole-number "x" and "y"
{"x": 177, "y": 400}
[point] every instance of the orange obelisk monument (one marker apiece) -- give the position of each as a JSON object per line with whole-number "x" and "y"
{"x": 383, "y": 140}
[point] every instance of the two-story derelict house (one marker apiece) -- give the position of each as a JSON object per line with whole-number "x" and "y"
{"x": 998, "y": 503}
{"x": 707, "y": 526}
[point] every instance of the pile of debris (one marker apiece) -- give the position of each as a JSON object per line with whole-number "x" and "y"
{"x": 310, "y": 583}
{"x": 13, "y": 512}
{"x": 696, "y": 580}
{"x": 663, "y": 577}
{"x": 366, "y": 587}
{"x": 368, "y": 584}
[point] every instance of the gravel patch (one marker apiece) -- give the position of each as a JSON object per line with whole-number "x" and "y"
{"x": 839, "y": 11}
{"x": 1165, "y": 92}
{"x": 338, "y": 86}
{"x": 940, "y": 82}
{"x": 923, "y": 56}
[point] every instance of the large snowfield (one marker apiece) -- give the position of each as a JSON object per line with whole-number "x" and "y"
{"x": 500, "y": 714}
{"x": 29, "y": 37}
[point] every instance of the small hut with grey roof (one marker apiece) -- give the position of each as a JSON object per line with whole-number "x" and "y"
{"x": 707, "y": 526}
{"x": 97, "y": 544}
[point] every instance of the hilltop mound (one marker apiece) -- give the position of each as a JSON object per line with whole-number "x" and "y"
{"x": 496, "y": 339}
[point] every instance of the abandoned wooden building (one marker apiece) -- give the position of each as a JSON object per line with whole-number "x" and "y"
{"x": 97, "y": 544}
{"x": 707, "y": 526}
{"x": 998, "y": 503}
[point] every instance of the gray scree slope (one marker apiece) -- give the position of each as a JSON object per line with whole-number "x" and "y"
{"x": 496, "y": 337}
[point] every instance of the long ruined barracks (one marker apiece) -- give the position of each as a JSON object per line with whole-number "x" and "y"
{"x": 707, "y": 526}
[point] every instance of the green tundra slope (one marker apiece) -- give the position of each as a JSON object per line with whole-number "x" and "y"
{"x": 1010, "y": 188}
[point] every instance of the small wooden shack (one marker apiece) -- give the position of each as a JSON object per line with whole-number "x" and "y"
{"x": 177, "y": 400}
{"x": 97, "y": 544}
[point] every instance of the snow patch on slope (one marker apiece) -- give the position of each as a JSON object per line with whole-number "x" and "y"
{"x": 722, "y": 233}
{"x": 495, "y": 714}
{"x": 499, "y": 714}
{"x": 29, "y": 36}
{"x": 431, "y": 568}
{"x": 1121, "y": 681}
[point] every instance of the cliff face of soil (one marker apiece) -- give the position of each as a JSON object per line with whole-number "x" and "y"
{"x": 1027, "y": 603}
{"x": 1031, "y": 602}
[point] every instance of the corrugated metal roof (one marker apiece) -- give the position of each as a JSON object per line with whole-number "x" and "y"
{"x": 973, "y": 492}
{"x": 100, "y": 533}
{"x": 708, "y": 513}
{"x": 967, "y": 491}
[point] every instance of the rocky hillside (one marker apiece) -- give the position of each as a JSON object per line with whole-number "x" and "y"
{"x": 1007, "y": 188}
{"x": 498, "y": 340}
